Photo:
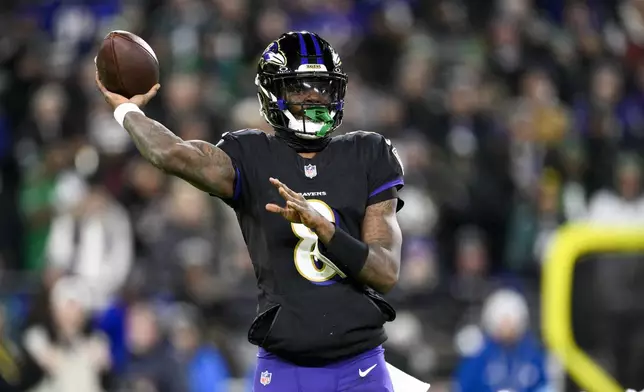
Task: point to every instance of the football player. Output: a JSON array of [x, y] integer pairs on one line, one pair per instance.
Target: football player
[[318, 214]]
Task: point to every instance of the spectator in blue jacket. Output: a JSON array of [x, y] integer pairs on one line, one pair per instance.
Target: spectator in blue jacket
[[206, 368], [152, 364], [505, 356]]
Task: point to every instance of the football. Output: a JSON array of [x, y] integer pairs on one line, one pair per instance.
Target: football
[[126, 64]]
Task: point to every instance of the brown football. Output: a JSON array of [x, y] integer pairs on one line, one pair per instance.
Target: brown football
[[126, 64]]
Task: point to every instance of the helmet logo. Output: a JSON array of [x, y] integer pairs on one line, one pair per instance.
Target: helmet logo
[[274, 58], [274, 55]]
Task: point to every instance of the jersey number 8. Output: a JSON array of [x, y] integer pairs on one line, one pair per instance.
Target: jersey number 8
[[303, 254]]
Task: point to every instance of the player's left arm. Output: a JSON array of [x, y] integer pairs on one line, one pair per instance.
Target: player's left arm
[[374, 261], [380, 229], [381, 233]]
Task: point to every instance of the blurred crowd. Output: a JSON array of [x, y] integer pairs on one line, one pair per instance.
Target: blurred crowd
[[512, 117]]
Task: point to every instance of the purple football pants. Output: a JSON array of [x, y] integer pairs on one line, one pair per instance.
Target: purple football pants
[[364, 373]]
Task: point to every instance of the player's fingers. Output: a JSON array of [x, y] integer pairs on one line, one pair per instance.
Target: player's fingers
[[107, 96], [143, 99], [274, 208], [296, 206], [100, 85], [278, 183], [295, 195], [153, 91], [271, 207], [291, 192], [285, 194], [289, 214]]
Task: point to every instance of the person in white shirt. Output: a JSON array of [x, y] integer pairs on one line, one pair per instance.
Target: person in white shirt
[[624, 205], [72, 359], [92, 238]]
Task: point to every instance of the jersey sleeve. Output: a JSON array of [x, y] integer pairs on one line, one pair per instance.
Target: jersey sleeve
[[385, 173], [232, 146]]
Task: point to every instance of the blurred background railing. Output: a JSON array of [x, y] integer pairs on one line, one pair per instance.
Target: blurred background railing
[[512, 117]]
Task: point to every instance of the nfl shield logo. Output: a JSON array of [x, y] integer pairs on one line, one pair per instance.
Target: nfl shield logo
[[265, 378], [310, 171]]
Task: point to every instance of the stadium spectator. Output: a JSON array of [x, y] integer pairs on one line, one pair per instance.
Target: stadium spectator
[[507, 356], [624, 204], [532, 223], [71, 355], [205, 367], [38, 203], [92, 239], [152, 365]]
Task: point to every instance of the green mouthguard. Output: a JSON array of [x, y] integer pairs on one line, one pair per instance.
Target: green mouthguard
[[320, 114]]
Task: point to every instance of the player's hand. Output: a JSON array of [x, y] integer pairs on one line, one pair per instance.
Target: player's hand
[[115, 99], [297, 209]]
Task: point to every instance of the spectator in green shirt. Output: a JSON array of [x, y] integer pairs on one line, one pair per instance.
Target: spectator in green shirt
[[37, 203]]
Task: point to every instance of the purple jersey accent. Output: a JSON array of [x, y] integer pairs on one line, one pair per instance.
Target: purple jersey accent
[[384, 187], [238, 184], [303, 51], [336, 215], [365, 373]]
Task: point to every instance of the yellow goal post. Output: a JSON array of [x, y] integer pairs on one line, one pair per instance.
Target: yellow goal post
[[569, 244]]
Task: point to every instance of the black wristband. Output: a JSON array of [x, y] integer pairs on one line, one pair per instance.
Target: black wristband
[[347, 253]]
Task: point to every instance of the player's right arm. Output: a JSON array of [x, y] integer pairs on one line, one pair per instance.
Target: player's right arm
[[202, 164]]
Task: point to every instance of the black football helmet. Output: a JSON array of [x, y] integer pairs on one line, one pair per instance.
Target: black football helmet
[[301, 85]]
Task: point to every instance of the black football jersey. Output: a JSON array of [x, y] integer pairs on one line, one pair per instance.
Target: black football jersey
[[307, 314]]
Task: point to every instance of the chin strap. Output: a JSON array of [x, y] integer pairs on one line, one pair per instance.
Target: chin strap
[[302, 145]]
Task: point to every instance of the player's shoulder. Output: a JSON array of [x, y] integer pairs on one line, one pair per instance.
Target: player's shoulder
[[369, 145], [244, 139], [362, 137], [360, 145], [245, 134]]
